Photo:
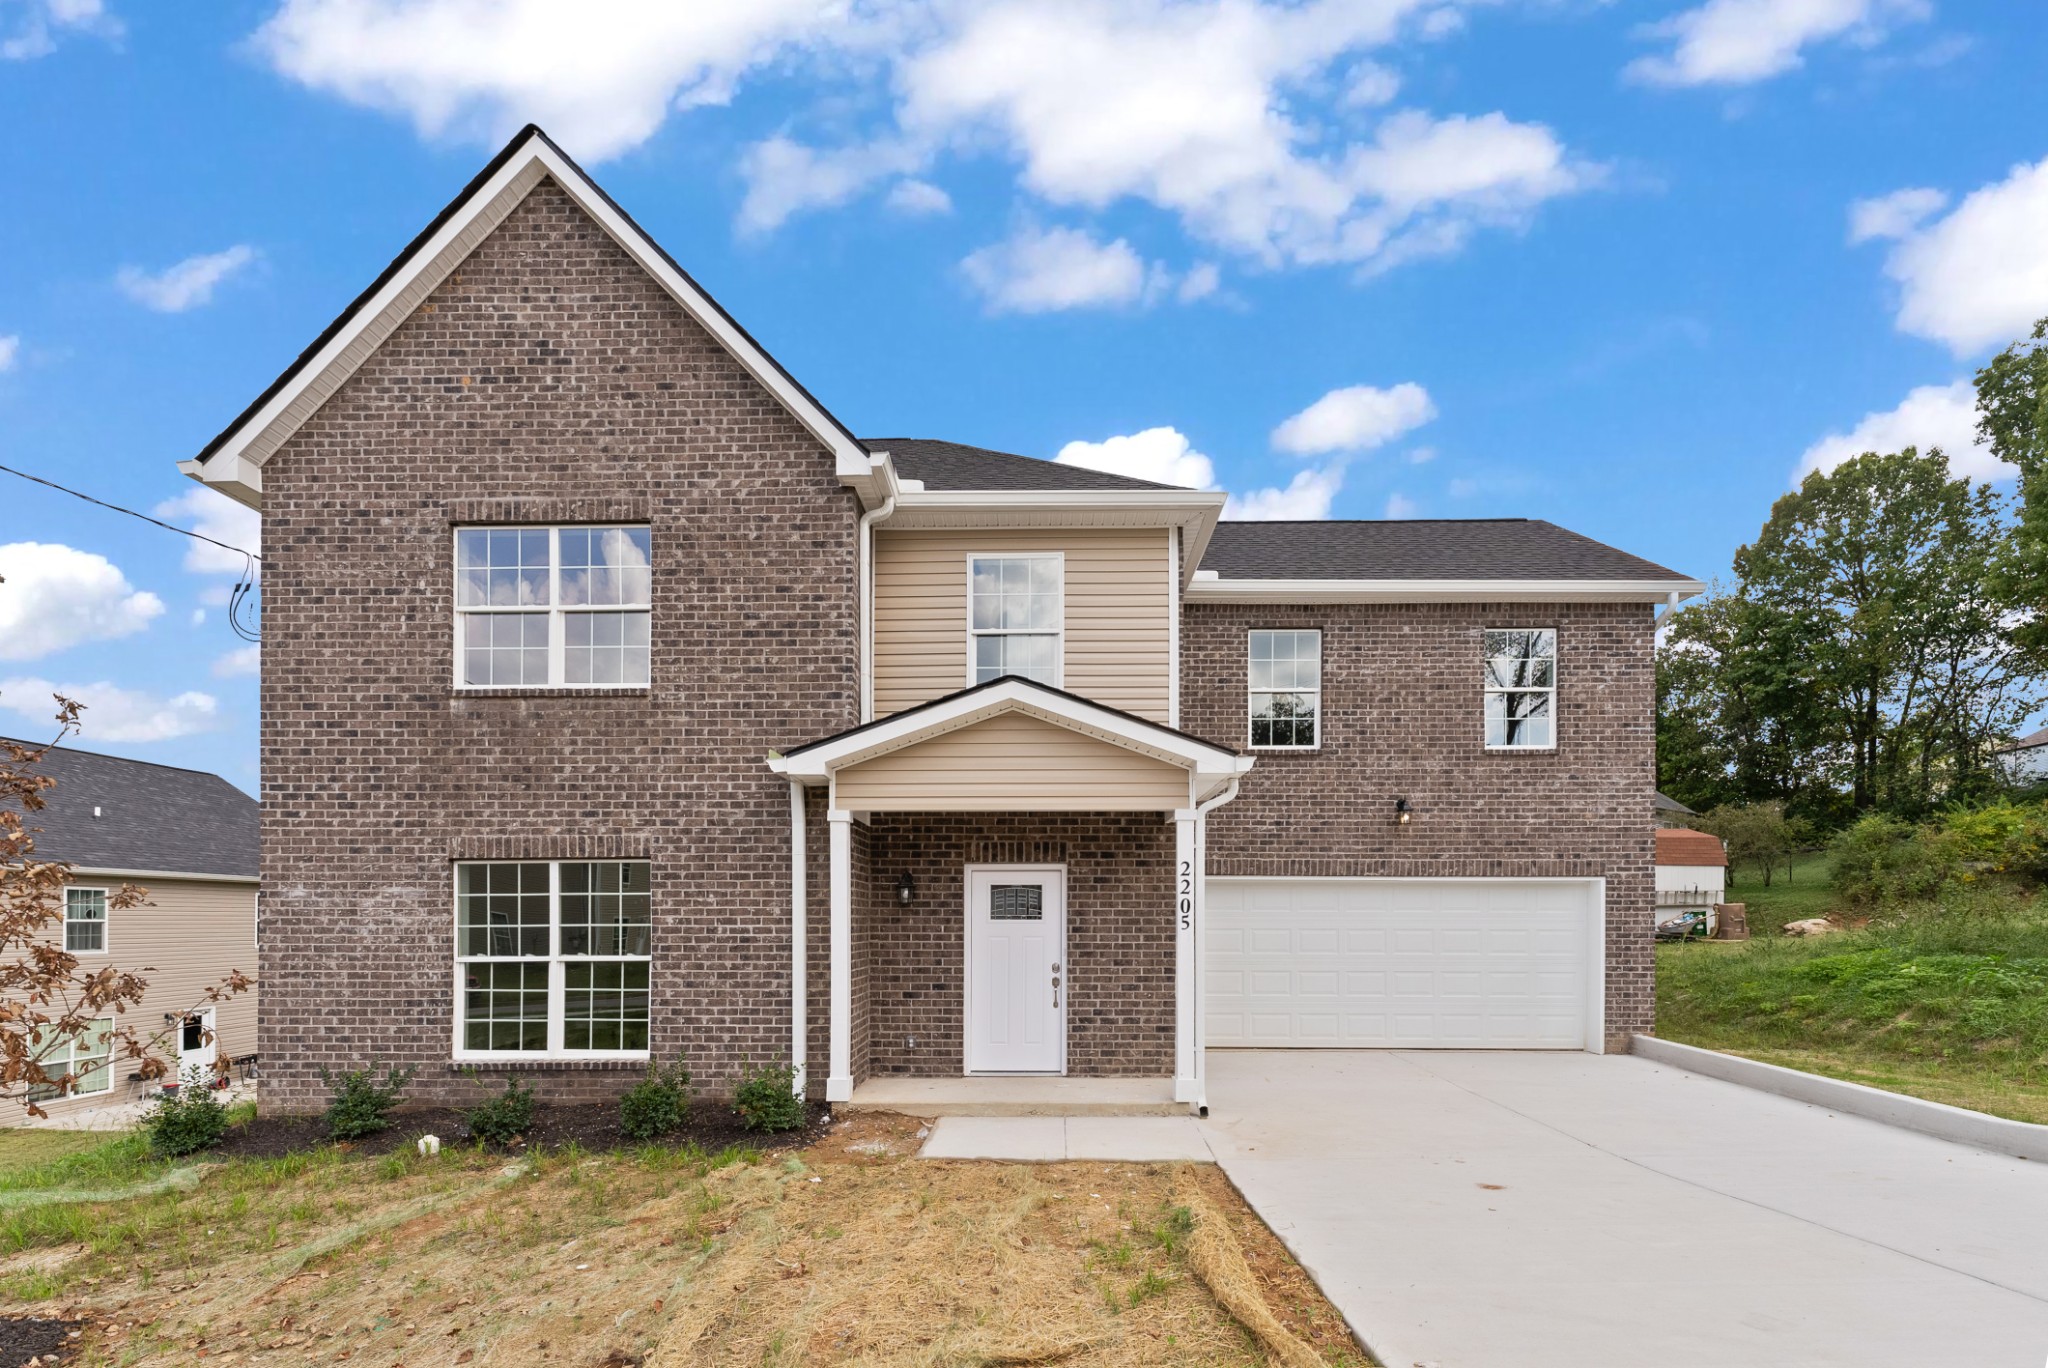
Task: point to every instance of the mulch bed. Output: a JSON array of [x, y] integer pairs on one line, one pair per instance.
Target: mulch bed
[[35, 1339], [594, 1126]]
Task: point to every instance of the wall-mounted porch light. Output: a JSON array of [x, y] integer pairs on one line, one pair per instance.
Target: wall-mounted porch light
[[906, 888], [1402, 812]]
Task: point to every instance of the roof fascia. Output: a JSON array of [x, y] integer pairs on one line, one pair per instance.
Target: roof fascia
[[1203, 590], [244, 448], [1195, 511], [92, 872]]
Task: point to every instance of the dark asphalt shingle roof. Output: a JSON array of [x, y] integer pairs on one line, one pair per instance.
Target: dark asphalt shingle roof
[[152, 817], [2027, 742], [952, 466], [1419, 548]]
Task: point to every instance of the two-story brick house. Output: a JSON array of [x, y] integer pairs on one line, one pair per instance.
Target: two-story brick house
[[617, 700]]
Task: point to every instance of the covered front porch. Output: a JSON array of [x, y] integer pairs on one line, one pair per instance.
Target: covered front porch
[[1014, 897]]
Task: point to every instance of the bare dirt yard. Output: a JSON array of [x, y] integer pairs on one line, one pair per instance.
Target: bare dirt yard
[[846, 1251]]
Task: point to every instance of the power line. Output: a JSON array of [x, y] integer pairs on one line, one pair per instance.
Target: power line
[[240, 607]]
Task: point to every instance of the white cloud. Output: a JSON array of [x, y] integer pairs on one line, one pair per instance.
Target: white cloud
[[1307, 497], [1737, 42], [1978, 277], [1894, 215], [1464, 487], [1040, 270], [917, 197], [1370, 84], [188, 284], [198, 618], [113, 713], [10, 351], [42, 21], [1422, 455], [1159, 454], [1399, 505], [1355, 418], [243, 660], [1942, 416], [785, 177], [53, 597], [212, 514], [1203, 280]]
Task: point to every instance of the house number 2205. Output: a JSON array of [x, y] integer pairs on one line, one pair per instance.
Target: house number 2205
[[1187, 894]]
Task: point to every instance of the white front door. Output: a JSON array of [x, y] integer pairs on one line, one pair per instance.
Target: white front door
[[197, 1047], [1016, 961]]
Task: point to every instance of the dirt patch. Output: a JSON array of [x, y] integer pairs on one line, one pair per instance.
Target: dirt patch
[[37, 1340], [593, 1126]]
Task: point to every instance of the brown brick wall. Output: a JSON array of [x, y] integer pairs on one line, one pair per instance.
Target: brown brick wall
[[547, 378], [1402, 718], [1119, 935]]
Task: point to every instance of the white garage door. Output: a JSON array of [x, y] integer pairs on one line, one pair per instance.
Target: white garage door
[[1344, 963]]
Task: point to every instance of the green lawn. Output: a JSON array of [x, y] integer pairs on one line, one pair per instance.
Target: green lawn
[[1951, 1007], [1803, 892], [22, 1150]]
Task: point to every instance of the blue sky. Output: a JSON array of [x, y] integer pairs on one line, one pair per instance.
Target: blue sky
[[1625, 266]]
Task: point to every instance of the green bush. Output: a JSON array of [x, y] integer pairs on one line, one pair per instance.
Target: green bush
[[186, 1121], [2005, 837], [502, 1119], [362, 1104], [658, 1104], [766, 1099], [1883, 861]]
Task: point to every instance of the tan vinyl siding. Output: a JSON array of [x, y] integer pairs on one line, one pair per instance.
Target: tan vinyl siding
[[184, 938], [1013, 762], [1118, 643]]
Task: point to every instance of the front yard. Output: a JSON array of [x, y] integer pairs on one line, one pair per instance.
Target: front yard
[[1947, 1005], [846, 1251]]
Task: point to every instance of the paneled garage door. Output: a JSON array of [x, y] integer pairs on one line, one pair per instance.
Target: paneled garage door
[[1344, 963]]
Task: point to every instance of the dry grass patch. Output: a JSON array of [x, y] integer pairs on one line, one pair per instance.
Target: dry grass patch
[[849, 1252]]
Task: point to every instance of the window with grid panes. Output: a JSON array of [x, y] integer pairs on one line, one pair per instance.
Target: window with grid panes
[[553, 957], [539, 607]]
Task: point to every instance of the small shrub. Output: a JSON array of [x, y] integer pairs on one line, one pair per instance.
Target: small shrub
[[658, 1104], [502, 1119], [186, 1121], [766, 1100], [362, 1105], [1882, 860], [2007, 838]]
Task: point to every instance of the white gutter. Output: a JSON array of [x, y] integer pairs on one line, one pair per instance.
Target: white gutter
[[1203, 589], [867, 605], [799, 939], [74, 871]]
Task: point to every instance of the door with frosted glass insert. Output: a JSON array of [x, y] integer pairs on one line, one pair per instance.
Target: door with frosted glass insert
[[1016, 970]]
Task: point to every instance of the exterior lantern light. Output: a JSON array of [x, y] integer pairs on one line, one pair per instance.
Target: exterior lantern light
[[906, 888], [1402, 812]]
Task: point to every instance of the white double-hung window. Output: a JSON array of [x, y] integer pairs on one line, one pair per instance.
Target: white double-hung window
[[84, 1056], [552, 958], [1014, 617], [1286, 688], [1521, 688], [542, 607], [85, 921]]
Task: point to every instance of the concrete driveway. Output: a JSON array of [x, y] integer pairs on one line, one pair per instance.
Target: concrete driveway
[[1496, 1210]]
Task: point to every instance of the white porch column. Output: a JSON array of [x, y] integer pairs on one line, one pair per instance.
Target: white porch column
[[799, 946], [1187, 963], [839, 1083]]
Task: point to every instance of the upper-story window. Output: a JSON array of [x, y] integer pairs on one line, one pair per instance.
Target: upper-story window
[[1521, 688], [85, 921], [540, 607], [1286, 688], [1014, 616]]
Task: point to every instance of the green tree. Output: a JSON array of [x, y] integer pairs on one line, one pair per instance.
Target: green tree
[[2012, 413], [1756, 834]]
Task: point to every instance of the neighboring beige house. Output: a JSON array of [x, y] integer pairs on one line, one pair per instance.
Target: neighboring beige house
[[2025, 761], [188, 839], [1692, 872]]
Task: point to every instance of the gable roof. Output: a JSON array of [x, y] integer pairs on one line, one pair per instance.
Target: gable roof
[[1420, 549], [1683, 846], [233, 460], [954, 466], [2027, 742], [1666, 803], [109, 813]]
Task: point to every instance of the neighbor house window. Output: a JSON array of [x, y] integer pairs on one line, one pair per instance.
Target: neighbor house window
[[540, 607], [84, 1056], [1521, 688], [85, 921], [553, 958], [1286, 688], [1013, 617]]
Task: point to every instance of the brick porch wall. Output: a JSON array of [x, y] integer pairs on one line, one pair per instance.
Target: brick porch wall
[[548, 379], [1402, 717], [1119, 936]]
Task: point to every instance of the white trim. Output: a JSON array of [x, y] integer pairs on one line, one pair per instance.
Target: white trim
[[1187, 873], [557, 613], [1487, 690], [106, 918], [1064, 967], [817, 765], [839, 1082], [1058, 634], [98, 873], [1173, 575], [799, 940], [235, 466], [1596, 972], [1205, 590], [1250, 691], [1192, 511], [864, 570]]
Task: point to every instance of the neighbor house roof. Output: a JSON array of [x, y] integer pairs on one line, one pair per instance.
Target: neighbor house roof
[[953, 466], [1419, 549], [106, 813], [2027, 742], [1680, 846], [1666, 803]]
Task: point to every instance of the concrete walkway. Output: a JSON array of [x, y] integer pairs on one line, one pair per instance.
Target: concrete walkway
[[1536, 1210], [1127, 1139]]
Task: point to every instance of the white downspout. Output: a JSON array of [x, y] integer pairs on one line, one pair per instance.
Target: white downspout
[[867, 605], [799, 939]]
